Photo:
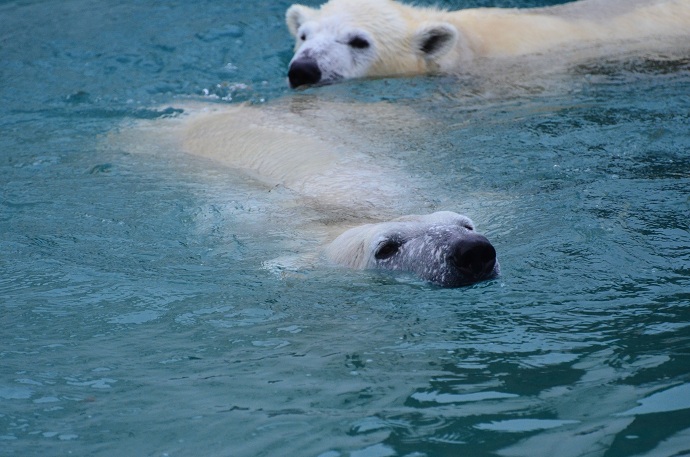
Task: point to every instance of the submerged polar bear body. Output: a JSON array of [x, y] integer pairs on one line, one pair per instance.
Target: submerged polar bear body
[[286, 146], [346, 39], [354, 195]]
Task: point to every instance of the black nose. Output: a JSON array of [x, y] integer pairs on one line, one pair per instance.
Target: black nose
[[474, 257], [304, 71]]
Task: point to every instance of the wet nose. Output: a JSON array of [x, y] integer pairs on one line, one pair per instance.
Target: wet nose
[[474, 257], [303, 71]]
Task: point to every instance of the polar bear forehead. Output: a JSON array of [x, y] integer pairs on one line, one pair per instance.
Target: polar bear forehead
[[381, 18], [335, 24], [371, 11], [438, 218], [442, 226]]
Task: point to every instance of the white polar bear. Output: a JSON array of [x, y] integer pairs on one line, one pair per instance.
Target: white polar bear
[[442, 248], [283, 147], [346, 39]]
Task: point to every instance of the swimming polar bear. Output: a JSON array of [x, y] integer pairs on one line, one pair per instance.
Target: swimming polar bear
[[346, 39], [283, 148], [442, 248]]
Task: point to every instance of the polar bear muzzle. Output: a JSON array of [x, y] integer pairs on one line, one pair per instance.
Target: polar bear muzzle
[[448, 258], [474, 257], [304, 71]]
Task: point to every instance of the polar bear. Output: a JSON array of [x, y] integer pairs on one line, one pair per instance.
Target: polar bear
[[442, 248], [346, 39], [345, 198]]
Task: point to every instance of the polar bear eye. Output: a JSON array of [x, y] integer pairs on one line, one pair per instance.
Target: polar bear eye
[[358, 43], [466, 224], [387, 249], [303, 36]]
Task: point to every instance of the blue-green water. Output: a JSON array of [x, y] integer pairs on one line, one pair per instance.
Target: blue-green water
[[137, 318]]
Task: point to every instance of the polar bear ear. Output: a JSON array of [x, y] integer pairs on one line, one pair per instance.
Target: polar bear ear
[[297, 15], [432, 41]]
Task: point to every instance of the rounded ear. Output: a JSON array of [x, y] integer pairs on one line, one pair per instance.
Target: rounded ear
[[432, 41], [297, 15]]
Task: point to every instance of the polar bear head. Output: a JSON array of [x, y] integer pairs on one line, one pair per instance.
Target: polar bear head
[[442, 248], [346, 39]]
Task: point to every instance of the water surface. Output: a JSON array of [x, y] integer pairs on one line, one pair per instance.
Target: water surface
[[137, 318]]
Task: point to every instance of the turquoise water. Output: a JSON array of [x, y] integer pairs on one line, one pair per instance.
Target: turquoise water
[[137, 318]]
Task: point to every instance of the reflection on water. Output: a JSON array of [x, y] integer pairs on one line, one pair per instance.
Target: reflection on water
[[137, 319]]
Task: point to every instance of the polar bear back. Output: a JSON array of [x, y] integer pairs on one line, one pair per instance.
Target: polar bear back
[[244, 138]]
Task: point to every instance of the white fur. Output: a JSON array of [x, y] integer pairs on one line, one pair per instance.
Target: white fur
[[400, 33], [318, 166], [355, 248], [281, 148]]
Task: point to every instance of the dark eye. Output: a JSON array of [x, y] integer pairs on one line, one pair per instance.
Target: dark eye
[[358, 43], [387, 249], [303, 36], [468, 226]]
